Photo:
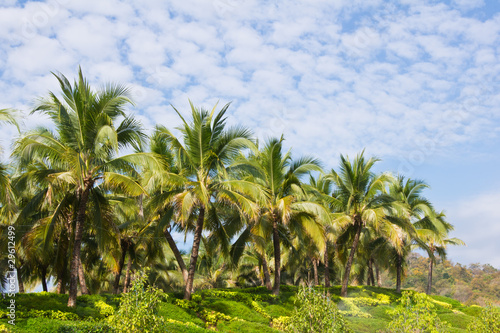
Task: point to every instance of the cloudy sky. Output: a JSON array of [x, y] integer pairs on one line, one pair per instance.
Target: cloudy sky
[[415, 83]]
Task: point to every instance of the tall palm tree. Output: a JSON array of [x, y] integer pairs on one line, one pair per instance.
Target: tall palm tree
[[206, 149], [360, 201], [6, 196], [412, 208], [320, 190], [280, 175], [83, 149]]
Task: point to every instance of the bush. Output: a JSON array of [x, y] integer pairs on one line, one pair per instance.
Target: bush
[[280, 323], [415, 313], [105, 310], [213, 317], [86, 327], [60, 315], [138, 309], [316, 313], [487, 322]]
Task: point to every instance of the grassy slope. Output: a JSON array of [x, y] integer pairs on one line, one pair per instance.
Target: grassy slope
[[247, 317]]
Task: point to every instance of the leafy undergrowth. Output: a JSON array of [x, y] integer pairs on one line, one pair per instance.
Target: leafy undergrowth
[[225, 310]]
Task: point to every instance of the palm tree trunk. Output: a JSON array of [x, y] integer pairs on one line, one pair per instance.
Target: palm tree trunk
[[75, 258], [60, 283], [354, 247], [194, 253], [277, 258], [315, 269], [327, 267], [116, 284], [20, 283], [44, 278], [126, 284], [379, 278], [429, 279], [371, 279], [62, 261], [267, 276], [81, 278], [177, 254], [398, 273]]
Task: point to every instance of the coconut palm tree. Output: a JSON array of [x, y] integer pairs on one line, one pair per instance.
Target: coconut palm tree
[[281, 208], [83, 149], [359, 199], [412, 208], [206, 149], [433, 233]]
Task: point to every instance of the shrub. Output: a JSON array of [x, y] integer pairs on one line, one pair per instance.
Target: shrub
[[51, 314], [280, 323], [86, 327], [213, 317], [415, 313], [181, 327], [105, 310], [488, 321], [316, 313], [352, 309], [138, 308]]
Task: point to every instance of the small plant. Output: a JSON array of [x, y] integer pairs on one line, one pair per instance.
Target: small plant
[[315, 313], [213, 317], [415, 314], [138, 308], [488, 321]]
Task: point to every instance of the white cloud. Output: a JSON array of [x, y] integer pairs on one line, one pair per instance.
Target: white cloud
[[332, 76]]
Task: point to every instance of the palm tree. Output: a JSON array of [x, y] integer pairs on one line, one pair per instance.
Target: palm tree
[[281, 208], [6, 194], [435, 237], [411, 208], [359, 199], [83, 150], [207, 148], [320, 190]]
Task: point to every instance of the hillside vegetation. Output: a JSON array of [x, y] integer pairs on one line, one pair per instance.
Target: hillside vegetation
[[473, 284], [225, 310]]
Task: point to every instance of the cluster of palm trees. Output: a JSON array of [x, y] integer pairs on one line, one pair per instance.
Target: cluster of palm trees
[[87, 217]]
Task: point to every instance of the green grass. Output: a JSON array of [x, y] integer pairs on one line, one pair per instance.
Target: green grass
[[235, 303]]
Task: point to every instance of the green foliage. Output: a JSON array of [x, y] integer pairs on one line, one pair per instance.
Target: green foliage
[[225, 314], [169, 310], [472, 284], [237, 310], [105, 310], [187, 304], [352, 309], [281, 323], [4, 329], [316, 313], [175, 326], [213, 317], [382, 298], [415, 313], [487, 322], [138, 308], [86, 327], [48, 314], [243, 327]]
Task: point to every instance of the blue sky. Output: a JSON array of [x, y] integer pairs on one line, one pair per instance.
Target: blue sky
[[414, 83]]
